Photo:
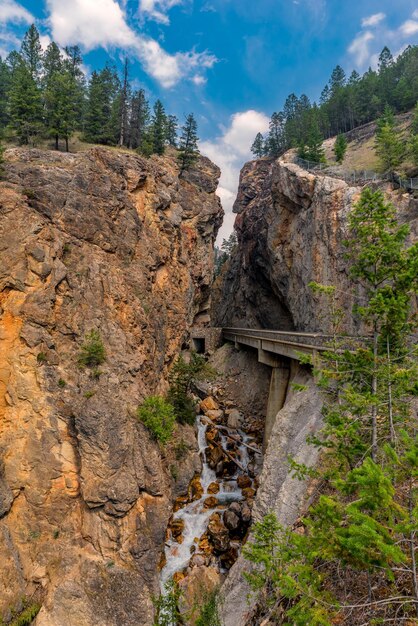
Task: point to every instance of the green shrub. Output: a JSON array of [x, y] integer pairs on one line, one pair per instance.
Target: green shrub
[[61, 382], [181, 378], [158, 416], [209, 615], [92, 352], [181, 449], [41, 357], [27, 616], [89, 394]]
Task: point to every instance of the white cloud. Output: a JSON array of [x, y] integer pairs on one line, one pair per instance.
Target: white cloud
[[230, 151], [359, 47], [199, 80], [410, 27], [367, 45], [373, 20], [11, 11], [102, 23], [157, 9]]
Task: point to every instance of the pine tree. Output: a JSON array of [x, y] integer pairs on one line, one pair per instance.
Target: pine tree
[[276, 138], [31, 52], [60, 98], [25, 104], [159, 128], [340, 148], [5, 79], [388, 146], [172, 126], [188, 144], [139, 119], [258, 146], [101, 124]]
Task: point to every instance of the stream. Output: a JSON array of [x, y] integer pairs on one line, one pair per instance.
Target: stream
[[195, 515]]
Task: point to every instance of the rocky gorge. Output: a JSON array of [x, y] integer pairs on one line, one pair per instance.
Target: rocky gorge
[[94, 514]]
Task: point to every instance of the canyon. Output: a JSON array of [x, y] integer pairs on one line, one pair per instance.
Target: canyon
[[106, 240]]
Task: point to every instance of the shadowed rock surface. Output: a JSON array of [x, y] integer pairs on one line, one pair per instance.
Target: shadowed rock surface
[[98, 240]]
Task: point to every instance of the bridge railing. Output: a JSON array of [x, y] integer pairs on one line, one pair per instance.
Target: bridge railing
[[314, 340]]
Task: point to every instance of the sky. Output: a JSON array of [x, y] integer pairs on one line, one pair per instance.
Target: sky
[[231, 62]]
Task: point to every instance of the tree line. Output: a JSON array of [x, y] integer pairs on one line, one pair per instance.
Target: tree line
[[345, 103], [46, 94]]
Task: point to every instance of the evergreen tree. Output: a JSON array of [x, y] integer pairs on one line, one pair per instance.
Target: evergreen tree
[[275, 143], [340, 148], [25, 104], [101, 124], [31, 52], [188, 144], [312, 149], [139, 119], [5, 79], [388, 146], [158, 128], [61, 93], [172, 126], [258, 146]]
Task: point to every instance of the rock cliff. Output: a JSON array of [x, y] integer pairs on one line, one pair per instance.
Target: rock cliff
[[102, 240], [290, 225]]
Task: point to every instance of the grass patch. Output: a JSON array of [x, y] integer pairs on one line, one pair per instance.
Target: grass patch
[[92, 351]]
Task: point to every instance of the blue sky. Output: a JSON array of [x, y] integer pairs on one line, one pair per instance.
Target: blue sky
[[231, 62]]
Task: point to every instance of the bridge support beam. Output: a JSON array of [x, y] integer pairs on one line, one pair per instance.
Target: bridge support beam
[[277, 394]]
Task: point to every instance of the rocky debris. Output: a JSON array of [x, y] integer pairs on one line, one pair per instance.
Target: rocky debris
[[235, 419], [110, 241], [243, 481], [209, 404], [211, 502], [248, 493], [213, 488], [218, 534], [215, 415], [176, 528], [195, 490]]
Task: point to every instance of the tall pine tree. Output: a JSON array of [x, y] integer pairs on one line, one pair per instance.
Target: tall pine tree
[[188, 144]]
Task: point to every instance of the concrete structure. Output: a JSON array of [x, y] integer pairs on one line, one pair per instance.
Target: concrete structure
[[281, 350]]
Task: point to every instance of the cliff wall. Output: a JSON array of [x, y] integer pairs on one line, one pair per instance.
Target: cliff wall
[[290, 225], [100, 240]]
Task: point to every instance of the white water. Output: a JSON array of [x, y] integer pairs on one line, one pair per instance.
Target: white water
[[195, 516]]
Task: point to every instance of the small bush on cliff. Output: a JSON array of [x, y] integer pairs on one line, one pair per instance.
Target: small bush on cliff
[[181, 379], [209, 615], [92, 351], [158, 416], [27, 616], [167, 611]]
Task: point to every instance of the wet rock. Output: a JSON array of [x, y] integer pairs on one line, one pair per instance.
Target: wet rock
[[211, 502], [215, 416], [229, 557], [177, 529], [245, 513], [213, 488], [248, 492], [234, 419], [231, 520], [195, 490], [198, 560], [212, 434], [213, 456], [244, 481], [208, 404], [180, 502], [218, 534], [178, 577]]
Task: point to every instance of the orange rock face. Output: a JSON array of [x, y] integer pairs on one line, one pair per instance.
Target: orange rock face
[[109, 241], [209, 404]]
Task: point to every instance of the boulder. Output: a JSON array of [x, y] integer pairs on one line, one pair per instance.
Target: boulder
[[208, 404], [248, 492], [213, 488], [231, 520], [195, 490], [234, 419], [244, 481], [211, 502], [218, 534]]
